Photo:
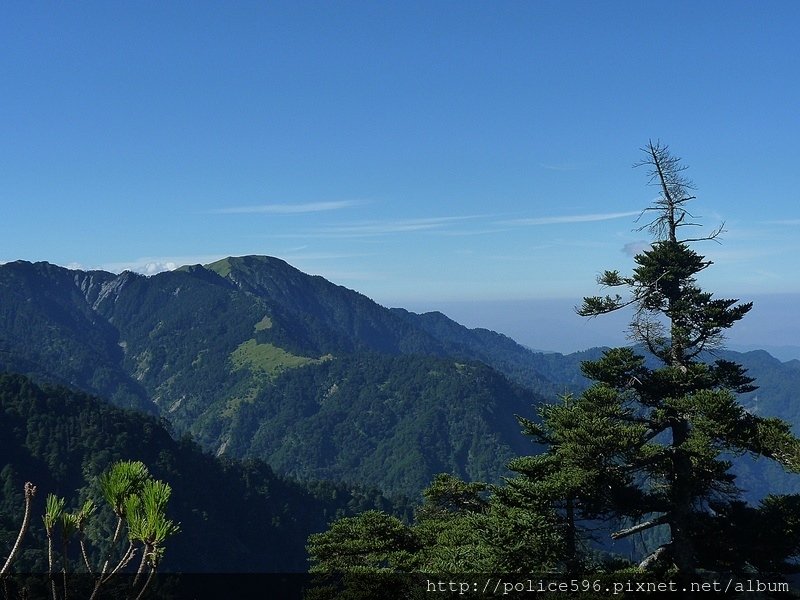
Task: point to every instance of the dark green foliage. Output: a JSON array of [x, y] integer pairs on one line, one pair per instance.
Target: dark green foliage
[[775, 395], [220, 349], [460, 528], [738, 537], [578, 476], [496, 350], [188, 344], [372, 542], [392, 422], [228, 511], [48, 329], [648, 444], [256, 359], [474, 528], [680, 419]]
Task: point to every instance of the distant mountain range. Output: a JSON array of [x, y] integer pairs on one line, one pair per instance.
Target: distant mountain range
[[256, 359], [782, 353]]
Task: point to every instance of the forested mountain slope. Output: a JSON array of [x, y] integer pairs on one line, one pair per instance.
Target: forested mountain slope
[[50, 328], [254, 358], [233, 516], [387, 421]]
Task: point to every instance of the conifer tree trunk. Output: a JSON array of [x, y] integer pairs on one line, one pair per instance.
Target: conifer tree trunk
[[681, 494], [681, 501], [571, 536]]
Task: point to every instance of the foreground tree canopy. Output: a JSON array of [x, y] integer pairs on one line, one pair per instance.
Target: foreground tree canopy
[[680, 419], [647, 449], [138, 503]]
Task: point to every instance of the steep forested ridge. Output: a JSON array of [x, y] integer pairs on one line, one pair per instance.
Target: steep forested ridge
[[254, 358], [387, 421], [234, 516], [49, 328], [246, 354]]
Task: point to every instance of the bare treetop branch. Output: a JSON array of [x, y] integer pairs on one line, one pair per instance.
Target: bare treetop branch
[[666, 172]]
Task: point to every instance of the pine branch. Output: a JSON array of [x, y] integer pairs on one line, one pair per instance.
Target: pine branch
[[708, 238], [85, 556], [29, 491], [660, 554], [146, 583], [663, 519]]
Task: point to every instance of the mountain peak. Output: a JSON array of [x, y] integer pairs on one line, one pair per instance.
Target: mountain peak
[[224, 267]]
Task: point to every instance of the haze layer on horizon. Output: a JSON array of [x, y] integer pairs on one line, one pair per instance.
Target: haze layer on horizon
[[552, 325]]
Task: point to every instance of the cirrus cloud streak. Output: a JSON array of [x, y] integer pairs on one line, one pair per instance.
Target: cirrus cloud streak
[[287, 209], [587, 218]]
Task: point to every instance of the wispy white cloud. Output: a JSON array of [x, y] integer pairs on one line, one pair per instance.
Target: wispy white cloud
[[152, 268], [586, 218], [473, 232], [288, 209], [151, 265], [376, 228]]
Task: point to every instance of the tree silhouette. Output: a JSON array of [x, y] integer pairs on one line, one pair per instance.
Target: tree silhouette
[[683, 413]]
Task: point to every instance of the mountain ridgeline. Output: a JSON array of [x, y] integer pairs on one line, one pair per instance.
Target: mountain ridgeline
[[255, 359]]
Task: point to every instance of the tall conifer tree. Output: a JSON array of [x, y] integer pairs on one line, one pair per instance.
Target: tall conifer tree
[[647, 444], [680, 415]]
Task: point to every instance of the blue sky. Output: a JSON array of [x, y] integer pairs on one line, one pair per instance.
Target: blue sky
[[424, 153]]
